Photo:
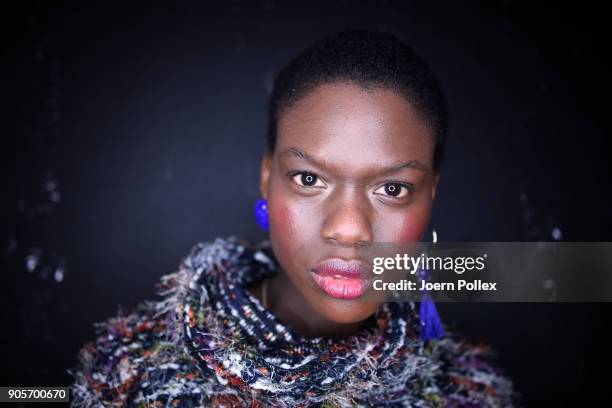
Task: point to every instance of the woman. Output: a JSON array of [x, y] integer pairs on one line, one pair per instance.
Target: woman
[[357, 126]]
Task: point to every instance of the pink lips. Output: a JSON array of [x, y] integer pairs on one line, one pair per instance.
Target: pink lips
[[342, 279]]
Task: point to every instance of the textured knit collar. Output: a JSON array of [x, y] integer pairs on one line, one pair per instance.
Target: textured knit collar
[[233, 336], [207, 342]]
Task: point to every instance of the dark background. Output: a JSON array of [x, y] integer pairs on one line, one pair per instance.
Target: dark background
[[132, 132]]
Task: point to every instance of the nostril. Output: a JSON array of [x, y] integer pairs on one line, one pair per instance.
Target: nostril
[[348, 235]]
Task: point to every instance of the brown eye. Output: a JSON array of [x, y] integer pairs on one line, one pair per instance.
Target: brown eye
[[306, 179], [309, 179], [395, 190]]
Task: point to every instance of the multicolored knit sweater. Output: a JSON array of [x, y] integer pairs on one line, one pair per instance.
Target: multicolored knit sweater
[[208, 342]]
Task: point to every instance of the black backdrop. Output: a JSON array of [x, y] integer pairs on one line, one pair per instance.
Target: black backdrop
[[130, 133]]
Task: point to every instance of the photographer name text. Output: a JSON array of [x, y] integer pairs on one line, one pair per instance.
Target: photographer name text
[[461, 284]]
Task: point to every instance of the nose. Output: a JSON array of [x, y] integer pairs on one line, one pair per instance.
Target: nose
[[348, 221]]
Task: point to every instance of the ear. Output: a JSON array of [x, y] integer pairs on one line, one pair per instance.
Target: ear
[[435, 185], [266, 162]]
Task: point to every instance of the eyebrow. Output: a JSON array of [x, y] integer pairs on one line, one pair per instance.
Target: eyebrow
[[300, 154]]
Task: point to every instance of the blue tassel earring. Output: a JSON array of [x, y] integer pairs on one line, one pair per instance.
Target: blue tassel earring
[[431, 325], [261, 214]]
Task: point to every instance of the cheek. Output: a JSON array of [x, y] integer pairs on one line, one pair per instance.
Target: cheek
[[282, 221], [412, 226], [290, 239], [288, 228], [284, 215], [291, 220], [288, 224]]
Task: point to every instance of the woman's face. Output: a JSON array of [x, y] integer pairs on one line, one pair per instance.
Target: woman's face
[[351, 167]]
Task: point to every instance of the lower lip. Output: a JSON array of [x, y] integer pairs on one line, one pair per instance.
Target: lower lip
[[341, 287]]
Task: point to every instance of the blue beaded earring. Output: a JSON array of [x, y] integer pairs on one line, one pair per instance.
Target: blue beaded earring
[[431, 325], [261, 214]]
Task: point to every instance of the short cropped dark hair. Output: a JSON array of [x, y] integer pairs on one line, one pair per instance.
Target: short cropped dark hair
[[370, 60]]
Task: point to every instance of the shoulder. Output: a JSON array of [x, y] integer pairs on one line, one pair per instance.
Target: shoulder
[[138, 356], [471, 375], [135, 357]]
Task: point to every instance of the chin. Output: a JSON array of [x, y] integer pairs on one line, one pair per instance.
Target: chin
[[345, 312]]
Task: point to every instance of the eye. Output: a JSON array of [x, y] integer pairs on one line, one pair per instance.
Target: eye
[[307, 179], [395, 190]]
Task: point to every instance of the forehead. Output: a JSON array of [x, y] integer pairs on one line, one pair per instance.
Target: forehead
[[352, 126]]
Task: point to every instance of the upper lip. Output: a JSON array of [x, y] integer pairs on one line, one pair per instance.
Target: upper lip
[[347, 268]]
